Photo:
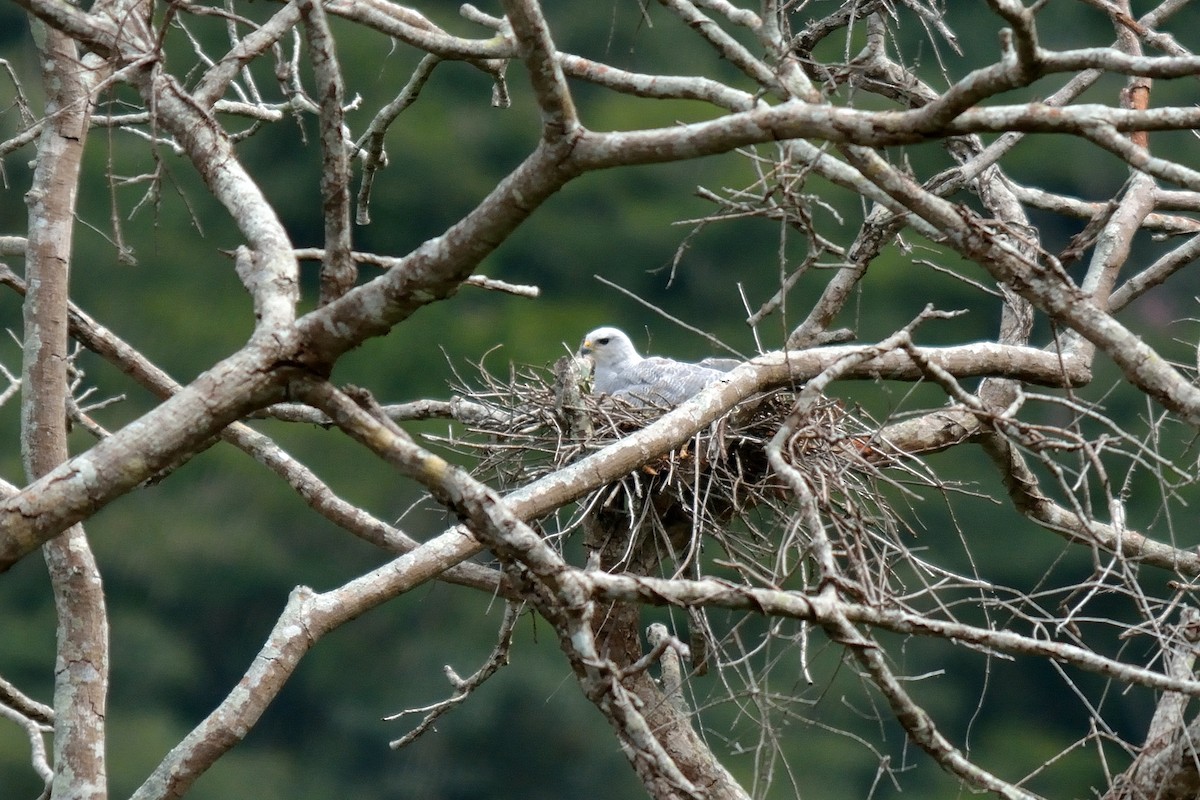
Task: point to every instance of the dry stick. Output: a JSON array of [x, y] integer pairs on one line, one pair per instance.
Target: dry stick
[[718, 593], [27, 135], [656, 309], [371, 142], [212, 86], [26, 706], [35, 732], [638, 84], [388, 262], [914, 719], [37, 719], [726, 46], [1155, 274], [260, 112], [1178, 200], [231, 30], [1081, 209], [463, 688], [338, 272], [458, 409], [412, 28]]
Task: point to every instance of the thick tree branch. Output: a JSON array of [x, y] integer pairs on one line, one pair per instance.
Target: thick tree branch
[[537, 51], [82, 656]]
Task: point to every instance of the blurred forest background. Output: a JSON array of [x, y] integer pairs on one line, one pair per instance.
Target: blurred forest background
[[198, 568]]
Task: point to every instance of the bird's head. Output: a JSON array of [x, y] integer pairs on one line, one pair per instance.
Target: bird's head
[[608, 347]]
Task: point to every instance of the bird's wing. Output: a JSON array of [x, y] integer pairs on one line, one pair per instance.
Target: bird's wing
[[720, 364], [657, 380]]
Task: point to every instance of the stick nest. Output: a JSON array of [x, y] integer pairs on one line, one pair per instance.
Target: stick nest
[[717, 487]]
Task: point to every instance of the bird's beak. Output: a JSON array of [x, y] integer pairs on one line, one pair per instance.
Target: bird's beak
[[585, 349]]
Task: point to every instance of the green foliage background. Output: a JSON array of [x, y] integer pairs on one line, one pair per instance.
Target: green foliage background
[[198, 567]]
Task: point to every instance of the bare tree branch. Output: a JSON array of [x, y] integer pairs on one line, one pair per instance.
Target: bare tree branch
[[82, 657]]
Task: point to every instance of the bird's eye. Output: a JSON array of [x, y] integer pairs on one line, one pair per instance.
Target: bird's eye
[[602, 341]]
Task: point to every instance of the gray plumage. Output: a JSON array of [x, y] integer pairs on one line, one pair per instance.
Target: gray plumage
[[618, 371], [719, 364]]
